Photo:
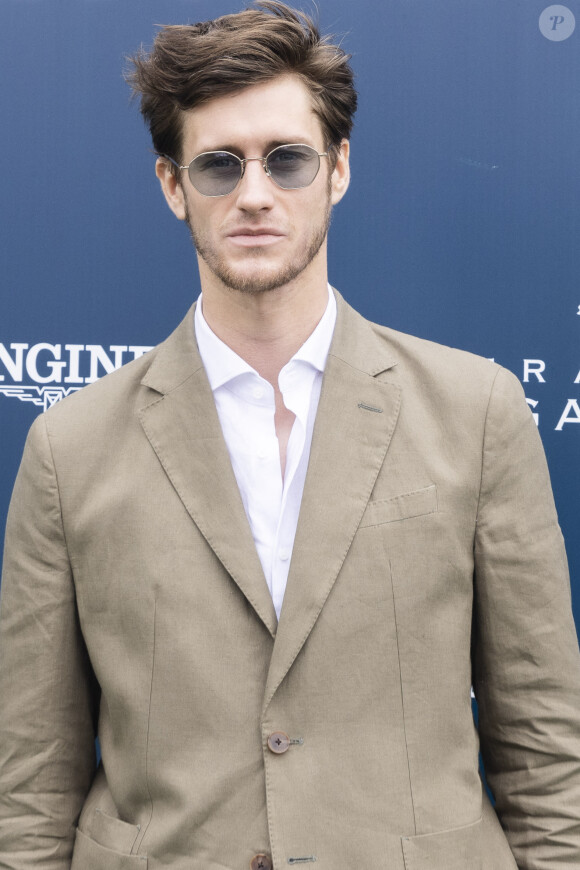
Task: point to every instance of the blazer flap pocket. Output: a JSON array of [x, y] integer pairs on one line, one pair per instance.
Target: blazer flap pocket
[[90, 855], [111, 832], [401, 507], [456, 849]]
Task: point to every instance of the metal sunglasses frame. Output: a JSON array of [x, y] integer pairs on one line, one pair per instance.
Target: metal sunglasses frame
[[243, 160]]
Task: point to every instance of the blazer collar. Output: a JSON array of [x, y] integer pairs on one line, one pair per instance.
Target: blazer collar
[[354, 342]]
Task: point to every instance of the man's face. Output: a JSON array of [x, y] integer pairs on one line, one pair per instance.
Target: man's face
[[259, 237]]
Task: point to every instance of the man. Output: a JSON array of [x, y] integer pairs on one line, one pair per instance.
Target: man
[[267, 561]]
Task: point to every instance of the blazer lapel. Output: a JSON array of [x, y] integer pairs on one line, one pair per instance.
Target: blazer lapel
[[183, 428], [356, 417]]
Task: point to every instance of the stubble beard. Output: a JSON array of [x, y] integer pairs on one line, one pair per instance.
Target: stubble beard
[[255, 284]]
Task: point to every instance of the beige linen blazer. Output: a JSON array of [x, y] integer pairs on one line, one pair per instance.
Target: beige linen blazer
[[427, 558]]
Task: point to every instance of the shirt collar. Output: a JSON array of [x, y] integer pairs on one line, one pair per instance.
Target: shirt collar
[[222, 364]]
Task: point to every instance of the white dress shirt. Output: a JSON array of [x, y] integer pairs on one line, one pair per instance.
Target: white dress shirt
[[245, 406]]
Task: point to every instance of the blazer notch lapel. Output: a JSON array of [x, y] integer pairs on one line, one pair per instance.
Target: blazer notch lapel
[[356, 419], [183, 429]]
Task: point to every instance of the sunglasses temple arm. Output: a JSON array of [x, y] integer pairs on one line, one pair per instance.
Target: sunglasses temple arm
[[171, 160]]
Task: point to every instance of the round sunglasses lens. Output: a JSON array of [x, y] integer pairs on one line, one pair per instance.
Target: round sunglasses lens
[[293, 166], [215, 173]]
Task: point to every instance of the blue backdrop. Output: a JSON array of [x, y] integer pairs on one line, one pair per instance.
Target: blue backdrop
[[461, 225]]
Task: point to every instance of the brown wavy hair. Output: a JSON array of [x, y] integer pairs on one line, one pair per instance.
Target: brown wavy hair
[[192, 64]]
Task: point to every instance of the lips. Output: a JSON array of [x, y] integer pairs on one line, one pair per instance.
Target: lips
[[255, 236]]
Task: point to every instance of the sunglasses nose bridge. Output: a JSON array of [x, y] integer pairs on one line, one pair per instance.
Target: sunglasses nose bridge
[[246, 160], [263, 160]]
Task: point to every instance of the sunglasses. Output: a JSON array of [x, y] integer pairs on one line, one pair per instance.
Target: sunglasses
[[217, 173]]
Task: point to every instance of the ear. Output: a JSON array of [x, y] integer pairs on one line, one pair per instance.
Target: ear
[[340, 178], [172, 189]]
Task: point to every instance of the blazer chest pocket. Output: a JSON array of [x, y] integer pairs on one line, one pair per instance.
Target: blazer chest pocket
[[456, 849], [401, 507], [106, 845]]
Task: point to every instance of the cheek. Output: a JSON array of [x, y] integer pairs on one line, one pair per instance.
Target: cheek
[[198, 215], [313, 207]]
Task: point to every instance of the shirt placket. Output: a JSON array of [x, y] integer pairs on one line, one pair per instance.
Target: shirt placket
[[295, 385]]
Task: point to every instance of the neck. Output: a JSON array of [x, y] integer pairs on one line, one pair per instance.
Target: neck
[[267, 328]]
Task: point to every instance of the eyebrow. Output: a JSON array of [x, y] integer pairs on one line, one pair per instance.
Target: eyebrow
[[273, 143]]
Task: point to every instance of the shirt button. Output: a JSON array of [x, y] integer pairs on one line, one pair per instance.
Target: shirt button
[[278, 742], [258, 392], [261, 862], [284, 555]]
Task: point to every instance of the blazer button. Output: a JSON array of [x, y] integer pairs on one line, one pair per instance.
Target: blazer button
[[261, 862], [278, 742]]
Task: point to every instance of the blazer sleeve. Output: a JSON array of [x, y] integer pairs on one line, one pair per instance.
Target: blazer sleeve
[[47, 689], [526, 659]]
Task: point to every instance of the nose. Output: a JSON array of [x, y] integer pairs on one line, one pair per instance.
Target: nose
[[256, 189]]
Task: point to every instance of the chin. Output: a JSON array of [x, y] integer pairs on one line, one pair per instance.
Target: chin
[[252, 285], [255, 281]]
